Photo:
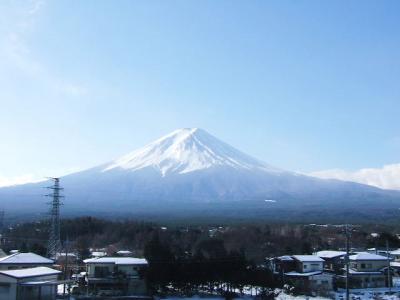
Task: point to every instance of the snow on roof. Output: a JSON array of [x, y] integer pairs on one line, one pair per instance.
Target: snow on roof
[[293, 273], [354, 272], [98, 253], [285, 258], [395, 252], [31, 272], [124, 252], [308, 258], [367, 256], [116, 260], [40, 283], [63, 254], [330, 253], [25, 258]]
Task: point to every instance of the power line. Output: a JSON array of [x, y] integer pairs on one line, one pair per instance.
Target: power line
[[54, 243]]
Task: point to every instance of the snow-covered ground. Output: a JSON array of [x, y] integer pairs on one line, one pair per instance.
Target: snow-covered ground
[[368, 295], [361, 295], [283, 296]]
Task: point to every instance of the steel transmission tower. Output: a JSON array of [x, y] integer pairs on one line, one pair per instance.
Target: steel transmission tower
[[54, 245]]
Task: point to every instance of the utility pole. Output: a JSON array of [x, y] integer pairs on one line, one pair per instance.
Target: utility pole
[[347, 261], [389, 279], [1, 221], [66, 274], [1, 226], [54, 243]]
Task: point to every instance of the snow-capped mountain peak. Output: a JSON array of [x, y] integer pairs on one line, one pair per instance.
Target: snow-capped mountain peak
[[191, 173], [187, 150]]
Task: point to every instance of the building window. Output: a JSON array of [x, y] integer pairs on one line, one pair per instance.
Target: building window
[[362, 266], [101, 272]]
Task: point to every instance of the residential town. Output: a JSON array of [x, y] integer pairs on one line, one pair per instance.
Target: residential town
[[31, 276]]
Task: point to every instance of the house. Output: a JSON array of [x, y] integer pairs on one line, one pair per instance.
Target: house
[[366, 270], [308, 263], [124, 253], [119, 275], [62, 258], [280, 265], [333, 260], [377, 251], [98, 253], [395, 268], [395, 254], [39, 283], [307, 274], [24, 260]]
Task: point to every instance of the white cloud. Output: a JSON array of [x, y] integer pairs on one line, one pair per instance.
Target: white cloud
[[387, 177], [17, 180], [32, 178]]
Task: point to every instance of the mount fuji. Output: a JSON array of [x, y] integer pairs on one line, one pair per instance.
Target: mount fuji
[[187, 150], [190, 172]]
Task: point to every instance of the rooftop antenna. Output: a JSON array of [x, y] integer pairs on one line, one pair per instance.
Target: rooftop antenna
[[54, 243]]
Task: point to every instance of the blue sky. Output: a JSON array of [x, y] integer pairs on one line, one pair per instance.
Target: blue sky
[[303, 85]]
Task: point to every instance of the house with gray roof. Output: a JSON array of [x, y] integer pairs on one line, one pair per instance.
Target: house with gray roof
[[305, 272], [24, 260], [366, 270], [122, 275], [333, 260], [38, 283]]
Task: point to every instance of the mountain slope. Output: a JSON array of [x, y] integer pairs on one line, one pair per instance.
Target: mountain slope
[[187, 150], [190, 171]]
